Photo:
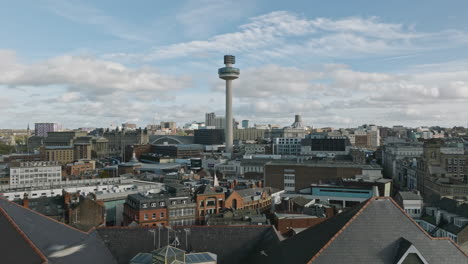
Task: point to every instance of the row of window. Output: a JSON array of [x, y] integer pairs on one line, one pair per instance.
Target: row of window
[[153, 216], [182, 212], [161, 203]]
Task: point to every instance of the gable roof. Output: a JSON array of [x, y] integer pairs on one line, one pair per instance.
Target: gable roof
[[368, 233], [58, 242]]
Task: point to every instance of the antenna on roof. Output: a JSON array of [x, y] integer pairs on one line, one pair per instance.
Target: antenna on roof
[[187, 231]]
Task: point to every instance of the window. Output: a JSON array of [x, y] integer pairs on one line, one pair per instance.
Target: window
[[162, 203], [154, 216], [153, 204], [162, 215], [184, 201], [174, 202], [144, 205], [146, 216]]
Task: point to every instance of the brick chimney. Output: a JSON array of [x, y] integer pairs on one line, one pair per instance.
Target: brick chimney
[[26, 200]]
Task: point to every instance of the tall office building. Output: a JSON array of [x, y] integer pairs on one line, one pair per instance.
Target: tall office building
[[42, 129], [245, 123], [229, 73], [209, 119]]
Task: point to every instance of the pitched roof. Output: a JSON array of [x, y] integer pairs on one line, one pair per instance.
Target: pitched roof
[[16, 247], [125, 243], [368, 233], [60, 243]]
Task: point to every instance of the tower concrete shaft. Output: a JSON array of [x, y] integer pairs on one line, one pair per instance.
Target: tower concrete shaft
[[228, 74], [228, 128]]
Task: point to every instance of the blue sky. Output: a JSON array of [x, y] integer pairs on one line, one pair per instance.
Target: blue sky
[[338, 63]]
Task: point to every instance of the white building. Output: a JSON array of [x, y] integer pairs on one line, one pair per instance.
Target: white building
[[411, 202], [287, 146], [35, 172]]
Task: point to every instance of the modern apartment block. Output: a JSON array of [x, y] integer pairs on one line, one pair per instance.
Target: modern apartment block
[[42, 129], [287, 146], [35, 172]]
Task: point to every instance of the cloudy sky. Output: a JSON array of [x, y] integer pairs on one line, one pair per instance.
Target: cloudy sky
[[338, 63]]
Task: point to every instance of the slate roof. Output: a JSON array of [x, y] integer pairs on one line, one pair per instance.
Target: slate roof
[[368, 233], [58, 242], [125, 243], [14, 246]]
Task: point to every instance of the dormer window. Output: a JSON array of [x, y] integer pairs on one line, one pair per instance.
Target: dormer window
[[162, 203], [153, 204], [144, 205]]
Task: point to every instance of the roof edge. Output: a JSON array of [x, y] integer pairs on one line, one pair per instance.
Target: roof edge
[[362, 209], [24, 236], [49, 218], [342, 229], [424, 231]]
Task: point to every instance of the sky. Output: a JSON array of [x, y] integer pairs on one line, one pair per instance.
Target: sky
[[337, 63]]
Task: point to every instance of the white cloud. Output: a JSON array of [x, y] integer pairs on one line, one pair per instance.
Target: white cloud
[[89, 76], [274, 81], [281, 34]]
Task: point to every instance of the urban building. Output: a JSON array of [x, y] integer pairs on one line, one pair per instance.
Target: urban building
[[209, 200], [120, 245], [146, 209], [287, 146], [444, 224], [80, 168], [411, 202], [247, 134], [119, 139], [245, 123], [287, 223], [168, 125], [35, 172], [137, 149], [64, 138], [237, 217], [443, 171], [42, 129], [61, 154], [293, 176], [209, 136], [250, 198], [178, 151], [129, 126], [319, 144], [397, 151], [377, 231]]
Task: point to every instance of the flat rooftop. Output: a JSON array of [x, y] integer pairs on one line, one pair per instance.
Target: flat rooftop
[[328, 164]]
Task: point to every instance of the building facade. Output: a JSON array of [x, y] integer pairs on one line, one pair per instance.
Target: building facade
[[35, 172], [42, 129]]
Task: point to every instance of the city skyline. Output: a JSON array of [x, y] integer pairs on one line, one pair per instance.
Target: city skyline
[[85, 64]]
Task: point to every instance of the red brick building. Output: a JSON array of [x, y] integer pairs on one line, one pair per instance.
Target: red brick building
[[80, 168], [284, 223], [146, 210], [251, 198], [210, 200]]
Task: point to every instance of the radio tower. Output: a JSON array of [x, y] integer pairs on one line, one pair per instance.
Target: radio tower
[[228, 74]]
